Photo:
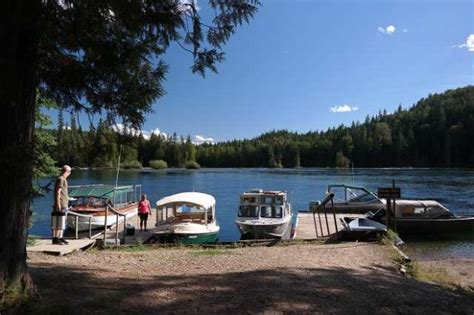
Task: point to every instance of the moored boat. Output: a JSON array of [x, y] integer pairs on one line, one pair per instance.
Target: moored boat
[[426, 217], [92, 200], [264, 214], [188, 218], [353, 199]]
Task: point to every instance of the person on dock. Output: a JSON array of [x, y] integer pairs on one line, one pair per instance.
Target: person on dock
[[61, 203], [144, 210]]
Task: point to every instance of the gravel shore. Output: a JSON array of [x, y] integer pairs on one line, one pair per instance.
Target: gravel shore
[[338, 278]]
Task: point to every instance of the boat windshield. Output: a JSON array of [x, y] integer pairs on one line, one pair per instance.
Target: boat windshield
[[184, 208], [271, 211], [412, 211], [248, 211], [87, 201], [351, 194], [366, 197]]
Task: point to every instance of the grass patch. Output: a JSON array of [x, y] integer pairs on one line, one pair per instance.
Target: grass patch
[[413, 269], [32, 240], [12, 297], [389, 238], [437, 275]]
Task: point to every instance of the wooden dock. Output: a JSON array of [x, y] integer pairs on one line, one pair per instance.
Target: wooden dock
[[314, 227], [83, 242], [46, 246]]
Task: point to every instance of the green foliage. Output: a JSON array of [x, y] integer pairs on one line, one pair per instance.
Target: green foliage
[[32, 240], [192, 165], [437, 131], [341, 160], [158, 164], [131, 165], [107, 56], [44, 144]]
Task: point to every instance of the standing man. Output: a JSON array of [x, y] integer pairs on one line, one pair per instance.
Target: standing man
[[61, 203]]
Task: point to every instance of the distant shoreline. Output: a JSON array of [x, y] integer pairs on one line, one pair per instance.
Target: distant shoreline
[[274, 168]]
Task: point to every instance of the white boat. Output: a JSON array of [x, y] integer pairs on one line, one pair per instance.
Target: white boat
[[264, 214], [89, 202], [188, 218]]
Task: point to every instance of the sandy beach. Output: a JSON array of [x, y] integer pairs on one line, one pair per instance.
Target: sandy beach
[[338, 278]]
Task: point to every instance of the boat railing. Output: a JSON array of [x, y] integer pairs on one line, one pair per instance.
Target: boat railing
[[322, 208], [76, 225], [118, 214]]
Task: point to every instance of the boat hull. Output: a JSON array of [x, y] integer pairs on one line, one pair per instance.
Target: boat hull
[[435, 226], [188, 239], [97, 221], [188, 233], [249, 230]]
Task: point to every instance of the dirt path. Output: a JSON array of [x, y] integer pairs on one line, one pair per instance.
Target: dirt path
[[343, 278]]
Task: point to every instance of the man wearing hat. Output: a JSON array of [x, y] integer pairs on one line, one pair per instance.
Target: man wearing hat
[[61, 203]]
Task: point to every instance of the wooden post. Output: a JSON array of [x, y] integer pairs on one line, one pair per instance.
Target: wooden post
[[124, 228], [320, 224], [315, 225], [105, 223], [326, 218], [77, 226], [335, 219], [90, 227], [389, 211], [394, 210], [116, 228]]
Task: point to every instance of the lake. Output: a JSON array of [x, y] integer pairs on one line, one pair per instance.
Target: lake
[[452, 187]]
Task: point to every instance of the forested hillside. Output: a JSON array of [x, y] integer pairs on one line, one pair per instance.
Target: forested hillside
[[436, 131]]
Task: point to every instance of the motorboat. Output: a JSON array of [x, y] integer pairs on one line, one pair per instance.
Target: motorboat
[[361, 229], [89, 203], [264, 214], [188, 218], [424, 217], [352, 199]]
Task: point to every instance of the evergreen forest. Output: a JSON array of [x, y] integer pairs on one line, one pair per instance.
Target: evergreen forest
[[437, 131]]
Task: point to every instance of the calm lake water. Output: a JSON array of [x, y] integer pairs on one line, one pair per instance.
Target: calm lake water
[[452, 187]]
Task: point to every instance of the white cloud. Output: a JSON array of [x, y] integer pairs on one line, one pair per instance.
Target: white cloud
[[469, 43], [389, 30], [120, 128], [199, 139], [185, 5], [405, 30], [343, 108]]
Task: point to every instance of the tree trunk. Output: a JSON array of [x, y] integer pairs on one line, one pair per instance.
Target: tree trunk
[[18, 63]]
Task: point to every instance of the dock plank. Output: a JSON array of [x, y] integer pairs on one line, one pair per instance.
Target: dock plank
[[306, 229], [46, 246]]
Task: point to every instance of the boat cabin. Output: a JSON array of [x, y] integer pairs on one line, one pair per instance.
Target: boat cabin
[[421, 209], [263, 204], [187, 207], [97, 196]]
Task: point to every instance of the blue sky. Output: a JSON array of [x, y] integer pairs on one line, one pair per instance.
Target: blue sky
[[299, 58]]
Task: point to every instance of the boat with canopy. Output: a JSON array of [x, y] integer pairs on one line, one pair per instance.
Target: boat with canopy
[[90, 202], [188, 218]]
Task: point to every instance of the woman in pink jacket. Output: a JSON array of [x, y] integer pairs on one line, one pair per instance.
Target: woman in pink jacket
[[144, 210]]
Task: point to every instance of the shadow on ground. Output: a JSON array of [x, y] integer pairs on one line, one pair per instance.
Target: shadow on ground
[[336, 290]]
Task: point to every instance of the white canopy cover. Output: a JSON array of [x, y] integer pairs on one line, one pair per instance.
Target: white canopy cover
[[197, 198]]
